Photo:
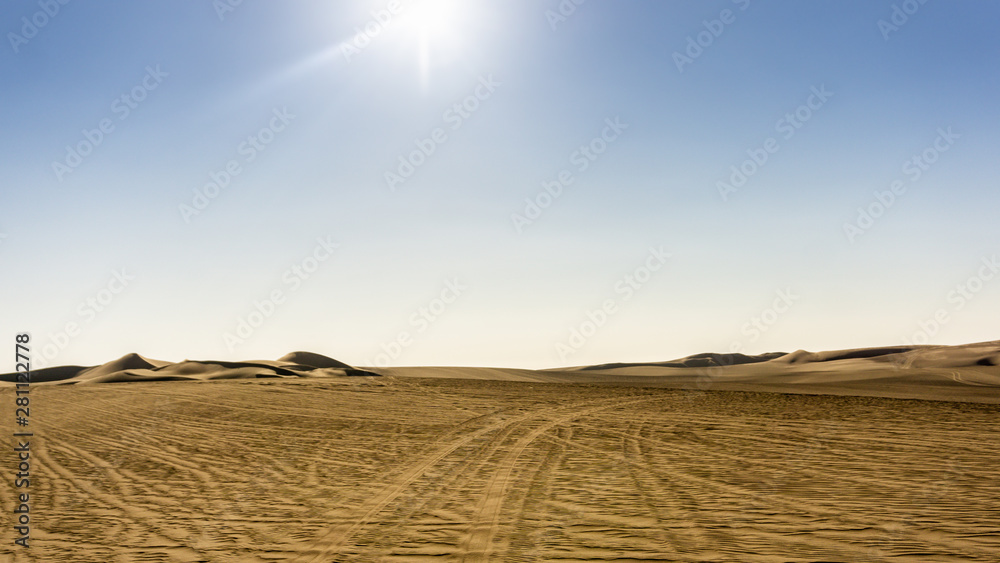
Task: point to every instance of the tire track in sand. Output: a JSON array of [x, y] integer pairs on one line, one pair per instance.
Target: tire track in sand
[[138, 516], [339, 534], [486, 522]]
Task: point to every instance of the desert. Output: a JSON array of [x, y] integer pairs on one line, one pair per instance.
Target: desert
[[882, 454], [504, 281]]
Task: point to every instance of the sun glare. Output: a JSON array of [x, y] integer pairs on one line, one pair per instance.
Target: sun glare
[[436, 19], [437, 30]]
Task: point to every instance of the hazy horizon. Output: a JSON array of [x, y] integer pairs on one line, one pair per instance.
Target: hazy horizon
[[448, 183]]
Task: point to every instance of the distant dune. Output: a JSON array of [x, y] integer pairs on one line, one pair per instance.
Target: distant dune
[[133, 367], [969, 372]]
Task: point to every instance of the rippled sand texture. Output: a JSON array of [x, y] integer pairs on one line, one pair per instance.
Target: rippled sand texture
[[408, 469]]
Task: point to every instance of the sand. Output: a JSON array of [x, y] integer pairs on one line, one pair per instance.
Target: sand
[[861, 455]]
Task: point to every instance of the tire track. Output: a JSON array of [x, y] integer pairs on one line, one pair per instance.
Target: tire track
[[652, 501], [767, 502], [541, 479], [806, 508], [486, 522], [137, 516], [338, 535], [423, 499]]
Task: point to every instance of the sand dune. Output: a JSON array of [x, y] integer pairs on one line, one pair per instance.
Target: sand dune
[[968, 372], [133, 367], [312, 360]]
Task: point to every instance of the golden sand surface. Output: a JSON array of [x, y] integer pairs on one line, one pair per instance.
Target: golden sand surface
[[391, 468]]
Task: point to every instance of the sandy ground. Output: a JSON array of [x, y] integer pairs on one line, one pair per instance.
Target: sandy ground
[[397, 468]]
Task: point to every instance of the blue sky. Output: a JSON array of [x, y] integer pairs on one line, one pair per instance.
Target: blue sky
[[314, 244]]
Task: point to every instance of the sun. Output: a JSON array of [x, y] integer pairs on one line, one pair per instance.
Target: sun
[[437, 19], [437, 29]]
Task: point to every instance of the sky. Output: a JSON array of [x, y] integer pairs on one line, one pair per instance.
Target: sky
[[496, 183]]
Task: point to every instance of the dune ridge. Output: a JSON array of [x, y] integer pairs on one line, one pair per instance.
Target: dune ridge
[[966, 372], [134, 367]]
